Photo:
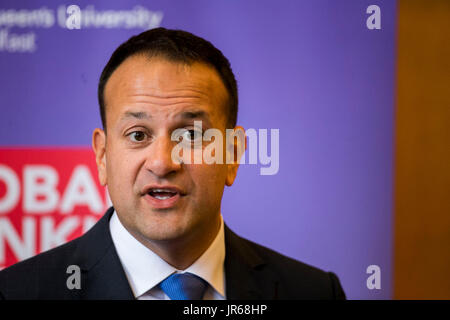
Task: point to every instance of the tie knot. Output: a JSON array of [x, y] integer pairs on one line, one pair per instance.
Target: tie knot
[[183, 286]]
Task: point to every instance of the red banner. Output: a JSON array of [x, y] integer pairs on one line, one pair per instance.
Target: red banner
[[48, 196]]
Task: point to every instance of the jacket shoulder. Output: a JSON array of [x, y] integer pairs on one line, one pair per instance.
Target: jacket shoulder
[[296, 279], [32, 277]]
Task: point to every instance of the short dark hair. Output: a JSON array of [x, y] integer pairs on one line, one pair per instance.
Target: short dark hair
[[177, 46]]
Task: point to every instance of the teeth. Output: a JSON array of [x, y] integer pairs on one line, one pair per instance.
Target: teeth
[[161, 197], [162, 190]]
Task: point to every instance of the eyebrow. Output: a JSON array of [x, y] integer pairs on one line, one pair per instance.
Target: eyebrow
[[137, 115], [193, 115], [202, 115], [185, 115]]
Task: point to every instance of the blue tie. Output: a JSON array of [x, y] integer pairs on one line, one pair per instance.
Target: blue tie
[[184, 286]]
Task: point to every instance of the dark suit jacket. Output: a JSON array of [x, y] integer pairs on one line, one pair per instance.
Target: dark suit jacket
[[252, 272]]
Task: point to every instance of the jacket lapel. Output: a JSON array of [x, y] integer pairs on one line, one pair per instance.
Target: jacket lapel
[[102, 274], [247, 277]]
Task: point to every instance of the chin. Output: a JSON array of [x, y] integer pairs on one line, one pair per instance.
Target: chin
[[163, 232]]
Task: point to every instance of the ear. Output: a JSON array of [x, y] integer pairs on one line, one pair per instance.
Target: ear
[[236, 147], [99, 147]]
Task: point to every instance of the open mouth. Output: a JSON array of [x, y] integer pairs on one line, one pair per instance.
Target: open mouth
[[163, 197]]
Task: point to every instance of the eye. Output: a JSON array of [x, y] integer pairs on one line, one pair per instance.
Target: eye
[[137, 136], [192, 135]]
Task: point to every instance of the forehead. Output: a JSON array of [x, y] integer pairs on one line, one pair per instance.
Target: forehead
[[161, 86]]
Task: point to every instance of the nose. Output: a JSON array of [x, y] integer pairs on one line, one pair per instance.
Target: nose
[[159, 158]]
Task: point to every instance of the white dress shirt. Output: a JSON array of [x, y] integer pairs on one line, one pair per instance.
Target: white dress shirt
[[145, 269]]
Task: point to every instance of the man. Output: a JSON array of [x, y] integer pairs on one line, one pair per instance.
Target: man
[[164, 237]]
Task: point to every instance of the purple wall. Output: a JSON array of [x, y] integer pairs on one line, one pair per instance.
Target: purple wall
[[309, 68]]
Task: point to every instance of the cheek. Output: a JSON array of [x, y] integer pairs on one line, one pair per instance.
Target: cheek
[[121, 171], [209, 181]]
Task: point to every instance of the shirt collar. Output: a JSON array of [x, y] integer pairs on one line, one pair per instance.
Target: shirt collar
[[145, 269]]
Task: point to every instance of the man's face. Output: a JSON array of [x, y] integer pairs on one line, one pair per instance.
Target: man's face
[[146, 100]]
